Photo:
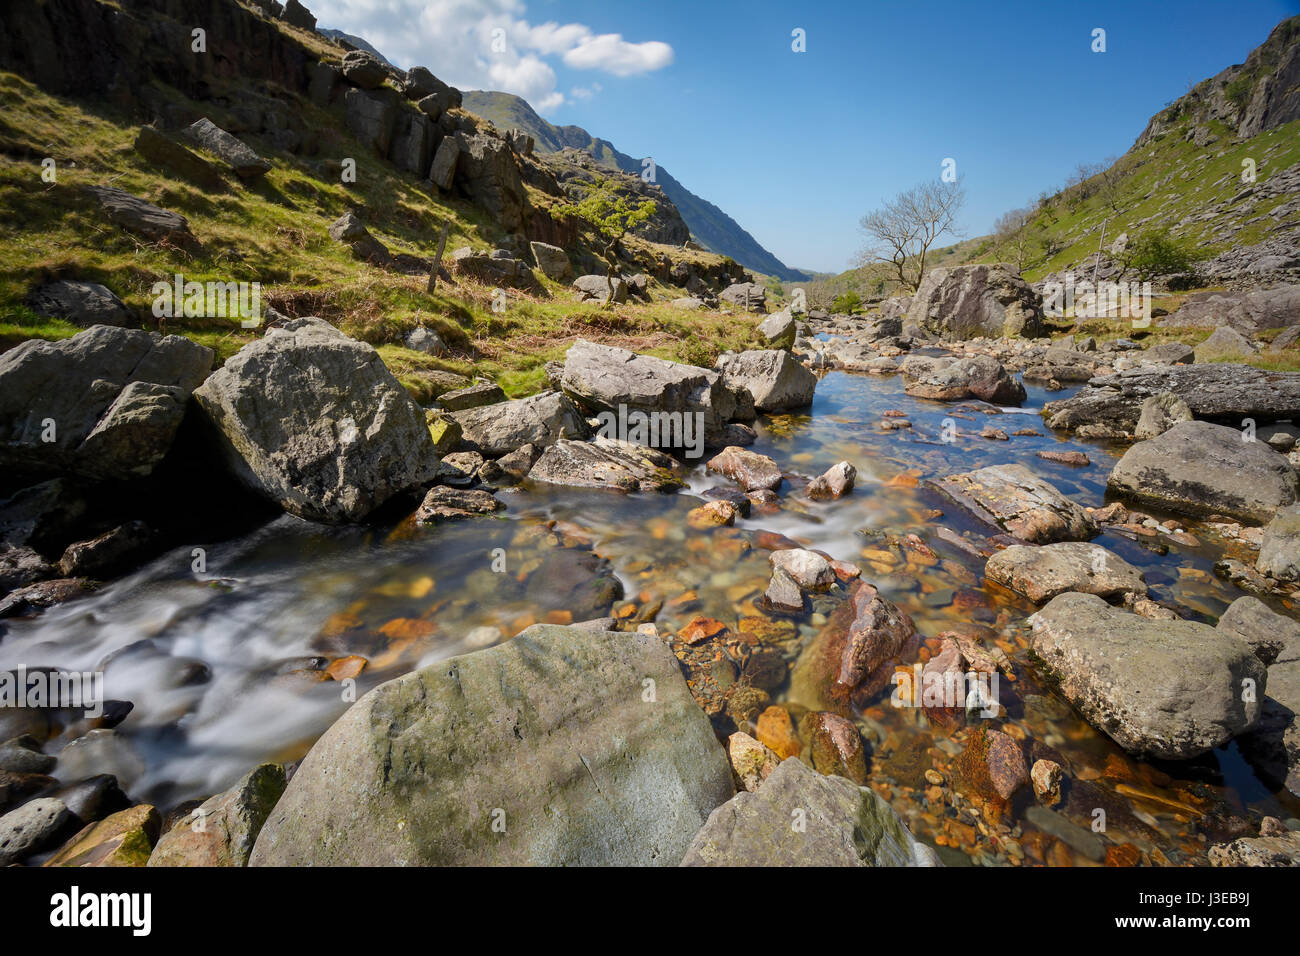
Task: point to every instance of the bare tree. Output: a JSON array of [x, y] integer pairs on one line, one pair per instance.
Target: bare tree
[[1014, 237], [902, 231]]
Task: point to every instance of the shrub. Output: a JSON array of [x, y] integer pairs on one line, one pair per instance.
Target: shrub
[[1157, 254], [846, 302]]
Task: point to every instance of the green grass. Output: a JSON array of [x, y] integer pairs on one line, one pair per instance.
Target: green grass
[[275, 232]]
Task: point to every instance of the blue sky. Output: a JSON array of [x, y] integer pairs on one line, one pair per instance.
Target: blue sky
[[797, 146]]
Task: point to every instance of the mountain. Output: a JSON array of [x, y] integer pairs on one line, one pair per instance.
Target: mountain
[[711, 227], [355, 42], [1216, 172]]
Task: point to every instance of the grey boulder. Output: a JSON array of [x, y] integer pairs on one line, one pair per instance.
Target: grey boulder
[[230, 149], [1041, 573], [81, 303], [563, 746], [777, 380], [540, 420], [314, 421], [964, 302]]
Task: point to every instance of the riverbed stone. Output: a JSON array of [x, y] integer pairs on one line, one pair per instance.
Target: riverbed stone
[[808, 568], [221, 831], [125, 838], [947, 379], [31, 828], [1166, 689], [1159, 414], [748, 469], [606, 463], [314, 421], [835, 482], [1042, 572], [553, 736], [1200, 468], [1012, 498], [846, 825]]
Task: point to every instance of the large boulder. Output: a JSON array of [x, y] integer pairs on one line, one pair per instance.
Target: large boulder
[[412, 145], [1225, 343], [365, 70], [1218, 391], [744, 294], [948, 379], [315, 422], [844, 825], [221, 830], [1012, 498], [1200, 468], [488, 173], [1166, 689], [109, 400], [81, 303], [563, 746], [442, 172], [965, 302], [552, 260], [1042, 572], [144, 218], [779, 330], [539, 420], [162, 150], [603, 378], [371, 116], [775, 378], [1248, 312], [1279, 553], [229, 149], [1161, 413], [596, 288]]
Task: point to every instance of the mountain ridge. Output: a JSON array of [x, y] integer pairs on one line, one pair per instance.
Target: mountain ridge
[[711, 227]]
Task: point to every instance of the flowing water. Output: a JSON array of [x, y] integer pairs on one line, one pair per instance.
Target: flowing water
[[227, 667]]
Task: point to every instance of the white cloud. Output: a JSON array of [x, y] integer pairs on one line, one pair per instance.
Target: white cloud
[[488, 44]]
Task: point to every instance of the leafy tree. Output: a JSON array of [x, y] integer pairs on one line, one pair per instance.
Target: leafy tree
[[613, 215], [1156, 253], [846, 302], [902, 231]]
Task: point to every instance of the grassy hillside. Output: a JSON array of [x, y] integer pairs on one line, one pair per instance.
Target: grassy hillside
[[275, 232]]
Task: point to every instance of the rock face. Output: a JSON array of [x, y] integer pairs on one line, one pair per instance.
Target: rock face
[[1279, 554], [1225, 392], [81, 303], [606, 463], [315, 422], [979, 300], [111, 399], [1202, 469], [1041, 573], [1247, 312], [364, 69], [1012, 498], [976, 376], [231, 150], [775, 378], [222, 830], [540, 420], [603, 378], [1166, 689], [544, 750], [847, 825], [371, 116], [488, 174]]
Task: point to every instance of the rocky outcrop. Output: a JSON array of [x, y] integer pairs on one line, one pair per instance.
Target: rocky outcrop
[[105, 403], [229, 149], [1012, 498], [1222, 392], [488, 174], [539, 420], [853, 826], [551, 260], [1166, 689], [748, 295], [1201, 468], [965, 302], [1225, 343], [1247, 312], [313, 421], [603, 378], [777, 380], [563, 746], [949, 379], [1041, 573]]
